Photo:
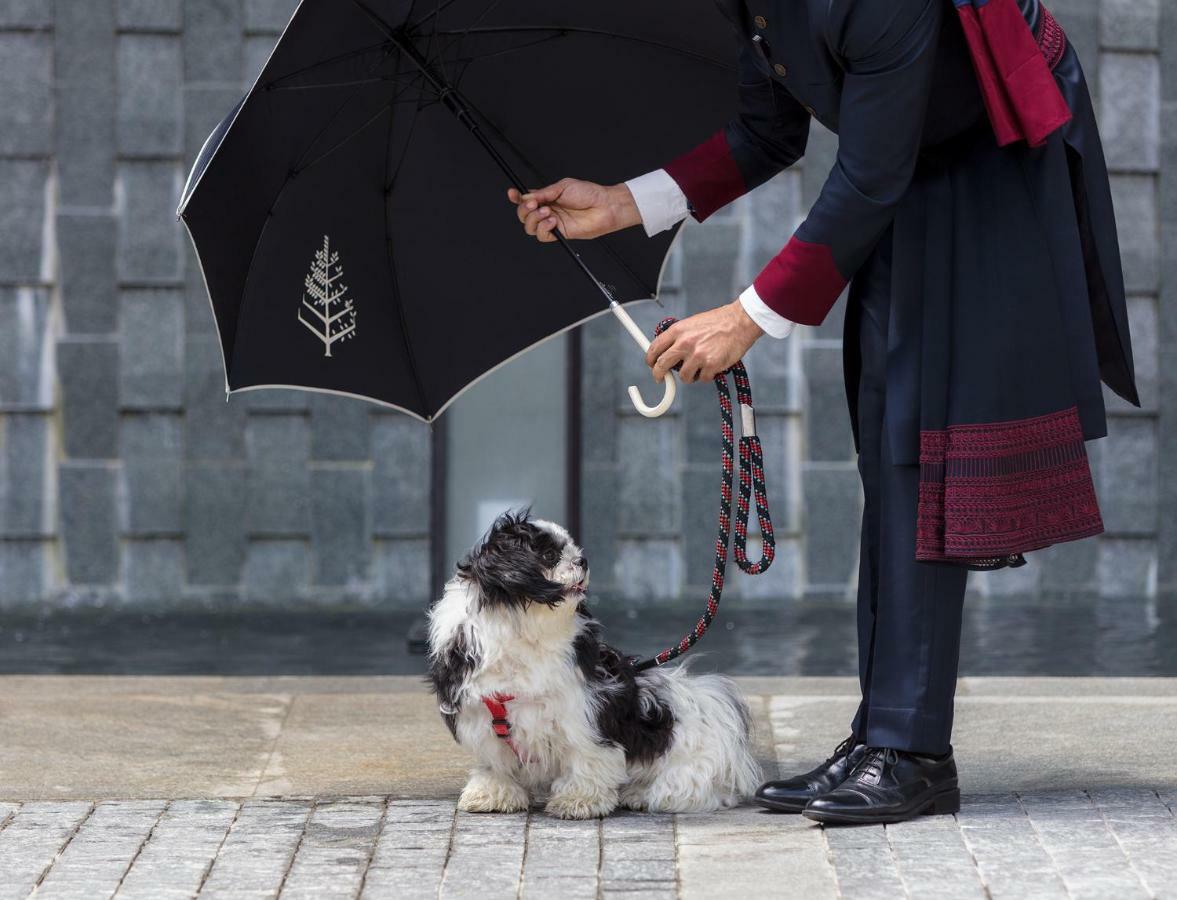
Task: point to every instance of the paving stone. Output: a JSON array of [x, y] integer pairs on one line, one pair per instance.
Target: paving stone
[[400, 476], [277, 447], [411, 852], [743, 853], [866, 872], [26, 377], [340, 525], [155, 15], [486, 856], [22, 220], [1130, 110], [257, 853], [180, 851], [401, 571], [149, 237], [30, 842], [95, 860], [150, 74], [87, 246], [214, 524], [89, 522], [1151, 847], [564, 857], [212, 39], [334, 852], [88, 370], [26, 117], [27, 499]]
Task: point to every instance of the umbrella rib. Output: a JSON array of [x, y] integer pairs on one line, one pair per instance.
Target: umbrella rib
[[600, 32], [325, 62], [394, 278]]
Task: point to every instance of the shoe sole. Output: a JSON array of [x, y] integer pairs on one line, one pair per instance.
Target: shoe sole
[[777, 806], [944, 803]]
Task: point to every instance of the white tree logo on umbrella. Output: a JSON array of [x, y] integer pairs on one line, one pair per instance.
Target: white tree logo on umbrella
[[326, 300]]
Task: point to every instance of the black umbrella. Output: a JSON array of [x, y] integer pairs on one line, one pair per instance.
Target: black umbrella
[[350, 213]]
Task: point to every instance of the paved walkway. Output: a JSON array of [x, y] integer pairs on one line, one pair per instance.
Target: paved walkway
[[321, 788]]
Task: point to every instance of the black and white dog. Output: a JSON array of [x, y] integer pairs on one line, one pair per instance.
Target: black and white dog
[[525, 682]]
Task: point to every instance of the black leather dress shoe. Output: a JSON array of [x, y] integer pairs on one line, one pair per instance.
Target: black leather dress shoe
[[890, 786], [792, 794]]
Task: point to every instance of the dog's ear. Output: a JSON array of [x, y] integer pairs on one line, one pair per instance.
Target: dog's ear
[[450, 667], [508, 568], [506, 579]]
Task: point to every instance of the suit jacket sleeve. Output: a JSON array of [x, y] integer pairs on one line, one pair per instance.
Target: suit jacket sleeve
[[768, 134], [888, 51]]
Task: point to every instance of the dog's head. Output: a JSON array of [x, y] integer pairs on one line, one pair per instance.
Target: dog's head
[[525, 562]]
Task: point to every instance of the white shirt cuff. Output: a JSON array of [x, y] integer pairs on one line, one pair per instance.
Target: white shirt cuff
[[660, 201], [773, 323]]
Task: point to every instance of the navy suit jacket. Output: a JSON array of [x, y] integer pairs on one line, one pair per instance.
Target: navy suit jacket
[[890, 78]]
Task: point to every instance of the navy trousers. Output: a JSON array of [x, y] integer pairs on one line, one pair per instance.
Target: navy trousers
[[909, 613]]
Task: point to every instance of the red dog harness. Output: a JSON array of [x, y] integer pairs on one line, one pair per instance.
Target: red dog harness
[[497, 705]]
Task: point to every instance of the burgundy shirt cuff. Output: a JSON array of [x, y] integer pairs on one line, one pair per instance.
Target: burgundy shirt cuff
[[801, 283], [708, 175]]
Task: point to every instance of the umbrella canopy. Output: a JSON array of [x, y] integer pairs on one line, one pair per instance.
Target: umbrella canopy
[[350, 214]]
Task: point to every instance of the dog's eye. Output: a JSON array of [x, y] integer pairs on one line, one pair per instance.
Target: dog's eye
[[551, 557]]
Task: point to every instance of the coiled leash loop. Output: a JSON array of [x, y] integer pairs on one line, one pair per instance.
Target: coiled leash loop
[[751, 482]]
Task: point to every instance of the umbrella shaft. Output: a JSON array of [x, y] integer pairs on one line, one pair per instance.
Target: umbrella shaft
[[457, 105]]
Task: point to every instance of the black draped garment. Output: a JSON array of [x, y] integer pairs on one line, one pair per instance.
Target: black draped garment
[[1008, 304]]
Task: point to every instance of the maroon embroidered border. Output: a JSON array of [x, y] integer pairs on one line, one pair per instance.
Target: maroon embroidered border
[[998, 490], [1052, 40]]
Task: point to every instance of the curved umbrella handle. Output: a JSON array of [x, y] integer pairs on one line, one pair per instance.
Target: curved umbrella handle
[[670, 385]]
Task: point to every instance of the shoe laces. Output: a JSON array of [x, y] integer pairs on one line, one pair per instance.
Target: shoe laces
[[872, 766], [843, 749]]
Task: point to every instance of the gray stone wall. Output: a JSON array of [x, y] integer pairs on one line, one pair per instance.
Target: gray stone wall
[[125, 478], [651, 487]]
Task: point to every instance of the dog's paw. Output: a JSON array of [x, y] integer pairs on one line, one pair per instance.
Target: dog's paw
[[633, 798], [487, 795], [578, 805]]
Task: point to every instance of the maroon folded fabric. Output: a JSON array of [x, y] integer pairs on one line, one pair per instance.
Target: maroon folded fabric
[[1014, 69]]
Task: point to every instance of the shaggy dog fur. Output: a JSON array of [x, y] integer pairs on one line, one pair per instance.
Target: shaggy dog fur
[[587, 728]]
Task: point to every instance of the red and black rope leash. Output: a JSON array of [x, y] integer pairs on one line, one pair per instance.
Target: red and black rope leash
[[751, 483]]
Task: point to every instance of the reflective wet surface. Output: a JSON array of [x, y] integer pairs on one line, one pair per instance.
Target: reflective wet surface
[[1028, 636]]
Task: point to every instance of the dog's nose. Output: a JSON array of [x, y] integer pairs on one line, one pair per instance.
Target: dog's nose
[[580, 561]]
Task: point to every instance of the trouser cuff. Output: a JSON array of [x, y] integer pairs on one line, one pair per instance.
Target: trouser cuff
[[903, 729]]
